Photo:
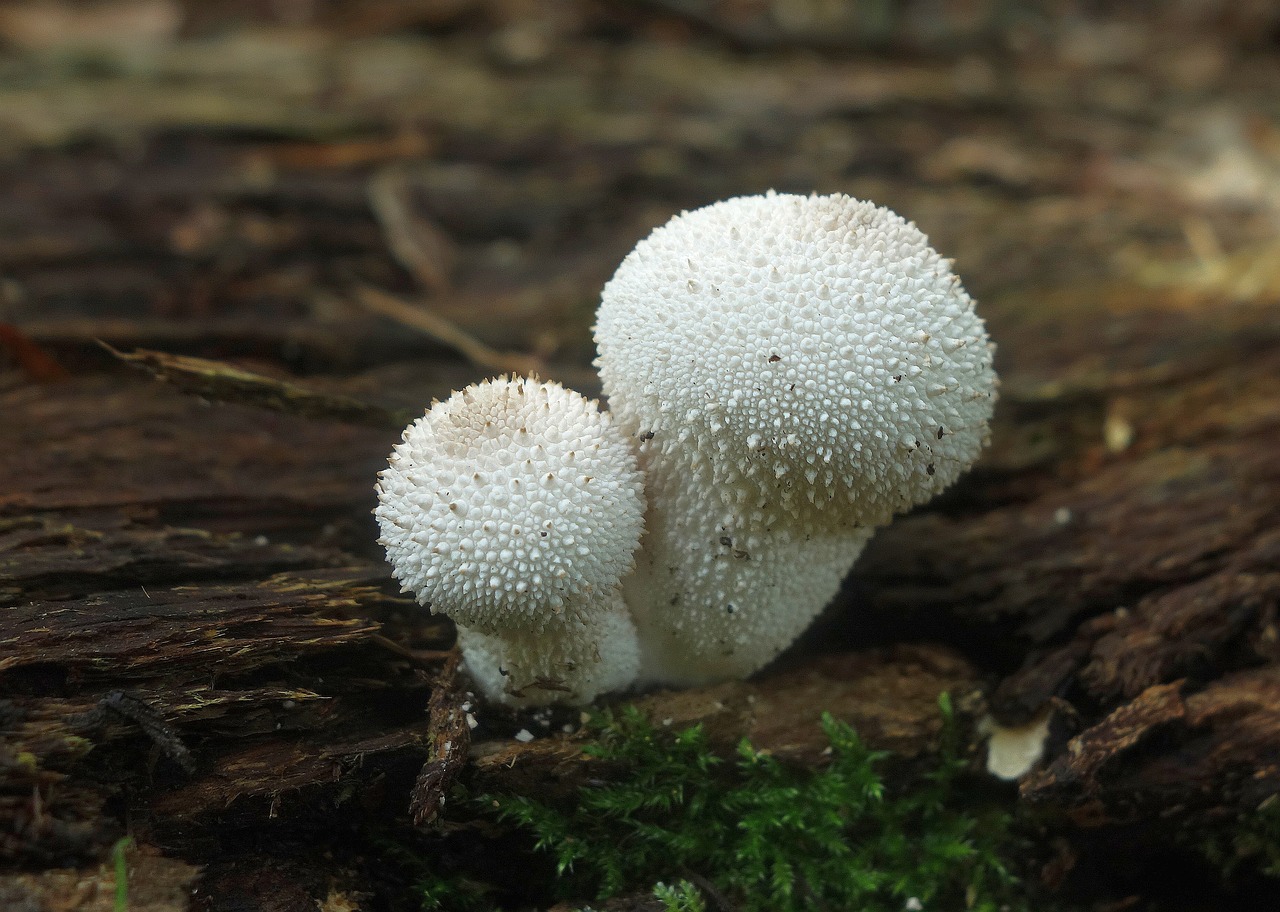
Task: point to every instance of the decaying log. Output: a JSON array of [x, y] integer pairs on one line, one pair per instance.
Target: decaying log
[[1143, 577], [203, 668], [270, 676], [889, 696], [200, 646]]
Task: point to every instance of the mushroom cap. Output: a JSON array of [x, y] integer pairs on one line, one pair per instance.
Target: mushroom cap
[[570, 662], [800, 352], [512, 503]]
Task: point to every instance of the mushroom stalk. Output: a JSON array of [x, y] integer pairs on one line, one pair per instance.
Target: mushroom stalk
[[570, 661], [715, 600]]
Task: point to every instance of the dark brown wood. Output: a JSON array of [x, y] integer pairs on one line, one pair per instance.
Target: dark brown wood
[[450, 740], [890, 696], [199, 643]]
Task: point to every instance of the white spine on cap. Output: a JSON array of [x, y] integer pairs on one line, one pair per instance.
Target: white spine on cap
[[798, 369]]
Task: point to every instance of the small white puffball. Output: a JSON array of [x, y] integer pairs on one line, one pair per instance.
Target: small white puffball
[[809, 349], [798, 370], [571, 661], [512, 504], [1012, 750]]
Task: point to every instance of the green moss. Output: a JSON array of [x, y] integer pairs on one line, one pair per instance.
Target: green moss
[[452, 894], [767, 835], [432, 886], [682, 897], [120, 861], [1255, 841]]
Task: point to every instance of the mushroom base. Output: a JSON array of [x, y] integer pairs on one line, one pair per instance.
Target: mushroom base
[[571, 662]]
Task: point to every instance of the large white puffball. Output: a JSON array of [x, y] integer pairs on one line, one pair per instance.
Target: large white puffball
[[511, 504], [797, 370]]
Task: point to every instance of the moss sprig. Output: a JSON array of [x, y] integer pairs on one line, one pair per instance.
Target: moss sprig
[[768, 835]]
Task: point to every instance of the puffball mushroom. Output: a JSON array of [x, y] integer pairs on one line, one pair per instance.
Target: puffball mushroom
[[515, 507], [797, 371]]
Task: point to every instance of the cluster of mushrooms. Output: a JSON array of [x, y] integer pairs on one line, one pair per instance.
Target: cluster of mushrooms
[[783, 373]]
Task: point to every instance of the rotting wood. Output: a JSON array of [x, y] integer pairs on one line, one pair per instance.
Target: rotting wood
[[199, 667], [220, 382], [447, 721], [889, 696], [1112, 559]]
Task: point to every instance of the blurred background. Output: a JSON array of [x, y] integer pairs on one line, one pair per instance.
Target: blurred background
[[273, 179]]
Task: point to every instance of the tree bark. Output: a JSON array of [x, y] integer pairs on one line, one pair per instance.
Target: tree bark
[[200, 646]]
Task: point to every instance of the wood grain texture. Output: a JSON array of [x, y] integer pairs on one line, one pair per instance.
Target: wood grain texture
[[199, 642]]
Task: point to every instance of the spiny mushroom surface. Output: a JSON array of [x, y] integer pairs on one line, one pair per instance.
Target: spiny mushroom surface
[[798, 370], [515, 507]]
